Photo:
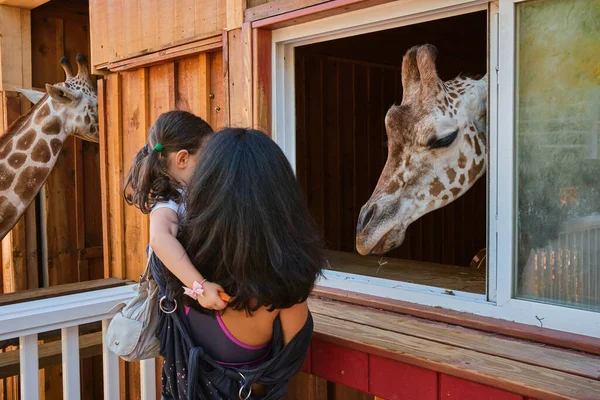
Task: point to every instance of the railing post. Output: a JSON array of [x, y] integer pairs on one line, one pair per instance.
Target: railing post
[[70, 363], [29, 365], [110, 365], [148, 379]]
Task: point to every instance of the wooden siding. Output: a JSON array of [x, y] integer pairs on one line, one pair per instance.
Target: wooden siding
[[15, 49], [129, 103], [258, 9], [72, 198], [126, 28], [276, 14]]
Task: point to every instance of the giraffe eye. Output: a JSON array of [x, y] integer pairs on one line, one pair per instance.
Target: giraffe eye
[[442, 142]]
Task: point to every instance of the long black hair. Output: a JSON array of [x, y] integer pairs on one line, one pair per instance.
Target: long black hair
[[148, 181], [248, 227]]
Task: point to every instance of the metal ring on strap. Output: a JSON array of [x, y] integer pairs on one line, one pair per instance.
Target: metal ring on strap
[[162, 308], [243, 383]]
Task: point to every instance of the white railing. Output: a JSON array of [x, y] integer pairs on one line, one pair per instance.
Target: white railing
[[26, 320]]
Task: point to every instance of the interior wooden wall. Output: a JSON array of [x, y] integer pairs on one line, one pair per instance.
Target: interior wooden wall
[[124, 28], [130, 102], [72, 192], [74, 226], [343, 91], [19, 263]]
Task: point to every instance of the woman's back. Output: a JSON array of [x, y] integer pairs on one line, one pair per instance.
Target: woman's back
[[233, 337], [257, 329], [236, 338]]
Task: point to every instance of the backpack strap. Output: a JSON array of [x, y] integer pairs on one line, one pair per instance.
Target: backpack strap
[[147, 272]]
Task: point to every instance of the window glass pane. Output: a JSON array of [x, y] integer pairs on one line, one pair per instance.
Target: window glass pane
[[558, 164]]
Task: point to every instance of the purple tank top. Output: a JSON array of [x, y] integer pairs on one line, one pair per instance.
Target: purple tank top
[[209, 332]]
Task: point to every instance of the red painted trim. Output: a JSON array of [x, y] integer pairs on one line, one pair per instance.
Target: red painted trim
[[393, 380], [452, 388], [315, 12], [487, 324], [321, 365], [340, 364]]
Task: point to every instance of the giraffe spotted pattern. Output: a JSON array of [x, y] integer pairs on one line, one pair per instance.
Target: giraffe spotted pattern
[[441, 128], [30, 147]]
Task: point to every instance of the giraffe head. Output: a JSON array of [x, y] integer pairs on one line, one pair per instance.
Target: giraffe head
[[436, 151], [77, 100]]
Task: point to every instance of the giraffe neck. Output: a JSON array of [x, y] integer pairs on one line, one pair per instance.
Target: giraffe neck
[[28, 152]]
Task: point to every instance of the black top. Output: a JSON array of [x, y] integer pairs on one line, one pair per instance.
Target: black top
[[209, 332]]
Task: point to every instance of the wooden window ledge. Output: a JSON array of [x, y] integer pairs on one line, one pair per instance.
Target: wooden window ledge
[[354, 345]]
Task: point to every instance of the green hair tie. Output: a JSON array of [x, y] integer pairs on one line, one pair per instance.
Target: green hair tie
[[159, 147]]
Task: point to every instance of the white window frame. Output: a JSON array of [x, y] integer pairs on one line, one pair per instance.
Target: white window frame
[[498, 302]]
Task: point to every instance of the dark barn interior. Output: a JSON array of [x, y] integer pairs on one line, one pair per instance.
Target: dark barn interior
[[344, 88]]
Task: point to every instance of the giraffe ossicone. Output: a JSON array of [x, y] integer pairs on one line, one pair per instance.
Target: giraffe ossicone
[[436, 151], [31, 145]]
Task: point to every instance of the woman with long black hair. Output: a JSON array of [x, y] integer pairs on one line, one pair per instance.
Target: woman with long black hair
[[248, 230]]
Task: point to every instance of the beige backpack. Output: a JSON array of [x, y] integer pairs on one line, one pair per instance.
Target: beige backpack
[[132, 332]]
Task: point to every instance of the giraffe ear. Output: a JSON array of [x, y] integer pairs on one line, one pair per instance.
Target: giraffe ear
[[410, 74], [426, 56], [61, 94], [32, 95]]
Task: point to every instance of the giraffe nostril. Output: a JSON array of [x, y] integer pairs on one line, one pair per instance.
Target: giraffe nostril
[[366, 217]]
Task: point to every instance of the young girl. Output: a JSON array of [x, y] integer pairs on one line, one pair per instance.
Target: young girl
[[249, 230], [157, 184]]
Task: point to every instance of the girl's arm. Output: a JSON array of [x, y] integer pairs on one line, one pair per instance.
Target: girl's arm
[[292, 321], [164, 225]]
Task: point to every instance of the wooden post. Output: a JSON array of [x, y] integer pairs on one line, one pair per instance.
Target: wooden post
[[205, 89], [114, 129], [261, 76], [240, 76]]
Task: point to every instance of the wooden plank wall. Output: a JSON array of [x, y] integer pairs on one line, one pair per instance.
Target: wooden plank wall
[[72, 219], [72, 202], [129, 103], [18, 251], [15, 49], [125, 28], [258, 9]]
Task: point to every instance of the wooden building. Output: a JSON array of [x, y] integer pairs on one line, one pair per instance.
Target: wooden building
[[319, 77]]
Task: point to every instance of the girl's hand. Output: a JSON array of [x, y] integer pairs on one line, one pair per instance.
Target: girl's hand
[[211, 299]]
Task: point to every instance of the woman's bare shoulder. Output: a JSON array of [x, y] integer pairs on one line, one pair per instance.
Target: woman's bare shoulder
[[292, 320]]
